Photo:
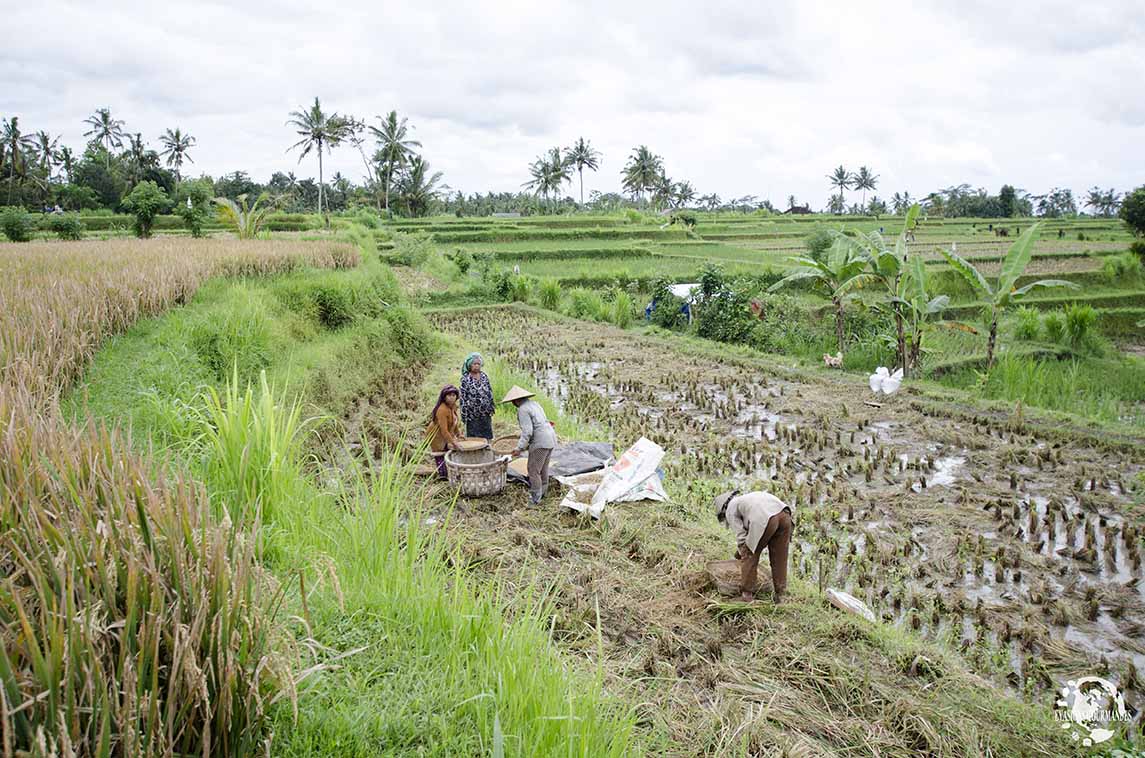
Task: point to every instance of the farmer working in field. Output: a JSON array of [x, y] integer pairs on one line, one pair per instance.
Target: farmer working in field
[[759, 520], [537, 436]]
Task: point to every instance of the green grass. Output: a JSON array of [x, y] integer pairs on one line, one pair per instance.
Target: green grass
[[406, 650], [1110, 390]]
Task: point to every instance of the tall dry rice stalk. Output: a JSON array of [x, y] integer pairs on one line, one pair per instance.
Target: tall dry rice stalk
[[131, 622]]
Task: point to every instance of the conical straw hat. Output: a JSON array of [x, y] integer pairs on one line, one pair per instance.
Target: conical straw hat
[[516, 394]]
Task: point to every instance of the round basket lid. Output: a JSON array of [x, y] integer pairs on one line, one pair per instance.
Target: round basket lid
[[472, 443]]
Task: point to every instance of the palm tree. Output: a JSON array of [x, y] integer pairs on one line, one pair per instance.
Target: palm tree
[[841, 179], [137, 156], [320, 132], [581, 156], [1110, 202], [549, 173], [342, 186], [684, 192], [865, 180], [643, 171], [18, 147], [67, 161], [790, 202], [831, 276], [901, 202], [246, 220], [175, 147], [105, 130], [1001, 293], [394, 148], [46, 148], [418, 186]]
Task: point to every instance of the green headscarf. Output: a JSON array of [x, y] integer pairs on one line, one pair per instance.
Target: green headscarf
[[469, 361]]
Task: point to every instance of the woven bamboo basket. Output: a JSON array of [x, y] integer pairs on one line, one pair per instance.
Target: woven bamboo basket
[[476, 472], [505, 445], [469, 444]]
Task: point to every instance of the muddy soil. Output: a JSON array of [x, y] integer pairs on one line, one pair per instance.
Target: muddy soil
[[1017, 544]]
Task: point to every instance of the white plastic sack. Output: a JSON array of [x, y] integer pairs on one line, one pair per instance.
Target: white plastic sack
[[884, 381], [847, 602], [632, 477], [627, 479]]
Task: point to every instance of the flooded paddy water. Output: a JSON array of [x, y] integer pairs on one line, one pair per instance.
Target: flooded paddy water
[[1019, 548]]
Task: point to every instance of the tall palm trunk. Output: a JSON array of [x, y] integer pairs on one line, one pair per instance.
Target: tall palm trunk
[[839, 321], [581, 172], [319, 179]]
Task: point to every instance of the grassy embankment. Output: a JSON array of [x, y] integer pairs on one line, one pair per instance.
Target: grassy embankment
[[394, 645]]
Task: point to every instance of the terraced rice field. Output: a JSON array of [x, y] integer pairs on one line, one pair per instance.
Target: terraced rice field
[[1016, 543]]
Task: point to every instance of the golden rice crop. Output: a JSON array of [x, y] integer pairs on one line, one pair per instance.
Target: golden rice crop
[[131, 622], [59, 301]]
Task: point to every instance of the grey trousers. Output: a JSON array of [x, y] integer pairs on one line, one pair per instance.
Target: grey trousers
[[538, 472]]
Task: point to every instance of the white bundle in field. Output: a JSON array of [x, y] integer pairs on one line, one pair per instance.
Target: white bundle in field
[[885, 382]]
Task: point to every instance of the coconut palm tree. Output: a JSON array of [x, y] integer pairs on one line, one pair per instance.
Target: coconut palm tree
[[549, 173], [684, 193], [46, 149], [320, 132], [865, 180], [581, 156], [175, 149], [1001, 294], [643, 172], [67, 161], [18, 147], [832, 276], [138, 157], [418, 186], [395, 148], [105, 130], [841, 179]]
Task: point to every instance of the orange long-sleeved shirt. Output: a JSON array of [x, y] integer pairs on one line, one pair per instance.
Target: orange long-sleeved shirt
[[444, 429]]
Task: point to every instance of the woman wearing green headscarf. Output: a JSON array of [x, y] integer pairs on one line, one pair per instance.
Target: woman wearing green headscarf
[[476, 398]]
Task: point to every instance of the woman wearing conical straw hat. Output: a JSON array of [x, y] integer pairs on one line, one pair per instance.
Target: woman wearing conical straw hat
[[537, 436]]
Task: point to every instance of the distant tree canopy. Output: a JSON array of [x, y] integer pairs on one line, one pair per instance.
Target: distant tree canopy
[[1133, 210]]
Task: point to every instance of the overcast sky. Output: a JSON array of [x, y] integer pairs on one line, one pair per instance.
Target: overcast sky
[[739, 98]]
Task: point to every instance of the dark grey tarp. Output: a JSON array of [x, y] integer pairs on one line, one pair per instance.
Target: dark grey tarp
[[574, 458]]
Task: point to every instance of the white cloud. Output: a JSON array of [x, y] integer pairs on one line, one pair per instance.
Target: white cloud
[[763, 99]]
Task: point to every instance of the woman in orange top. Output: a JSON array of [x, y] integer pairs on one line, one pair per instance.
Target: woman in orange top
[[444, 427]]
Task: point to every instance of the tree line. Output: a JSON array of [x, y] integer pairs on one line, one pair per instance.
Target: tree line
[[36, 171]]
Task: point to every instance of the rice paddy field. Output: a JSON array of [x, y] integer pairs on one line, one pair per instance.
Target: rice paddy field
[[218, 539]]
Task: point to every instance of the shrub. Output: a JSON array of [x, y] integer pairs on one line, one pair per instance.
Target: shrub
[[330, 301], [818, 242], [193, 204], [668, 311], [412, 249], [1133, 211], [633, 216], [368, 218], [687, 218], [622, 309], [550, 293], [585, 303], [711, 281], [67, 226], [461, 258], [1029, 324], [1137, 247], [1054, 326], [410, 333], [519, 288], [1079, 321], [146, 201], [17, 224], [726, 317], [1122, 268], [235, 343]]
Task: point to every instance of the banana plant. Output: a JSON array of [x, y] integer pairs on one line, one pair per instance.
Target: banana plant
[[830, 276], [887, 266], [1002, 293], [918, 306], [246, 220]]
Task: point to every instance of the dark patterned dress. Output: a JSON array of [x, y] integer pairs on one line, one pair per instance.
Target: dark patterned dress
[[477, 405]]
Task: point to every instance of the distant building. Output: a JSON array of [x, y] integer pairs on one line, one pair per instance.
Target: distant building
[[798, 210]]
